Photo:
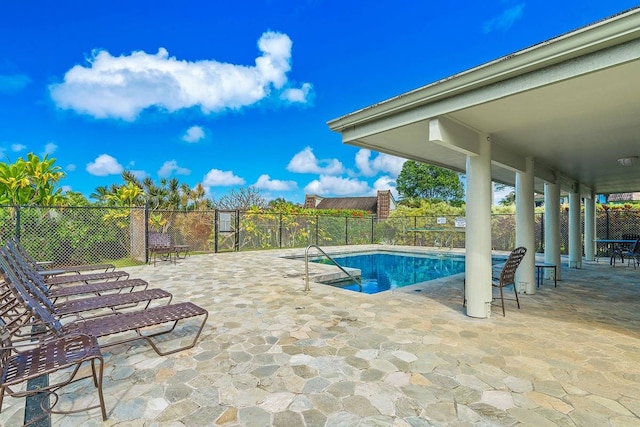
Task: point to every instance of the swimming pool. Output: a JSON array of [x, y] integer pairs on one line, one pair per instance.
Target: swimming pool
[[383, 271]]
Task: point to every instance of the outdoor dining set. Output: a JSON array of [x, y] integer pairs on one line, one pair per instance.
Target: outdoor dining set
[[627, 246]]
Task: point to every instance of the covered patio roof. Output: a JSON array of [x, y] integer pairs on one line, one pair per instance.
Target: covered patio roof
[[571, 103]]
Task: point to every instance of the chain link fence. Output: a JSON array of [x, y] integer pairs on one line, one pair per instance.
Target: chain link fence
[[79, 235]]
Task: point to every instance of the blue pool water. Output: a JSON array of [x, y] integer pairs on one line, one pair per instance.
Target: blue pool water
[[382, 271]]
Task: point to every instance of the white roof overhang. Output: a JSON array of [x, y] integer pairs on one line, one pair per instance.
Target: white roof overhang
[[572, 103]]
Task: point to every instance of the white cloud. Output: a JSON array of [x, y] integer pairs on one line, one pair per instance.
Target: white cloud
[[193, 134], [13, 83], [218, 178], [104, 165], [70, 167], [386, 183], [266, 183], [123, 86], [171, 166], [306, 162], [139, 174], [328, 185], [505, 20], [50, 148], [300, 95], [385, 163], [18, 147]]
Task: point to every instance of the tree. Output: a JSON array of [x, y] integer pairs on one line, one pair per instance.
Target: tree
[[509, 199], [433, 183], [31, 182], [244, 198]]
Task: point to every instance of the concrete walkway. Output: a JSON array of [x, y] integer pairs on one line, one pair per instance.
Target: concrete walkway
[[272, 354]]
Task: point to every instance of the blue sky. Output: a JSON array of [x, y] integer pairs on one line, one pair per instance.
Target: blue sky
[[237, 94]]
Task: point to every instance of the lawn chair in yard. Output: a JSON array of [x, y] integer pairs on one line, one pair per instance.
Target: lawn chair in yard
[[39, 266], [126, 326], [63, 356]]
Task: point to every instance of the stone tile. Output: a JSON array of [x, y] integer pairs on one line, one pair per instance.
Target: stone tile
[[272, 353]]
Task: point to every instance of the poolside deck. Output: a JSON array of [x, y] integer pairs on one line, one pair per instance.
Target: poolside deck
[[272, 354]]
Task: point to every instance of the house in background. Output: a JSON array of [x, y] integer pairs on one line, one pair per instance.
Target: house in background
[[622, 198], [379, 206]]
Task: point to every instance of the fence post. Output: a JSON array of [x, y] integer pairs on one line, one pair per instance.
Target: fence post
[[415, 232], [216, 219], [317, 221], [372, 229], [280, 232], [237, 237], [346, 230], [146, 233], [17, 222], [606, 223]]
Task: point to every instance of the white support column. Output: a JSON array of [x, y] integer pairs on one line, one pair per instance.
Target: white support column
[[590, 228], [575, 237], [478, 290], [552, 228], [525, 228]]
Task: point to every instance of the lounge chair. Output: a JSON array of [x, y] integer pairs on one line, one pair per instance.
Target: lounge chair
[[39, 266], [75, 278], [63, 279], [507, 275], [69, 290], [20, 364], [117, 301], [142, 324]]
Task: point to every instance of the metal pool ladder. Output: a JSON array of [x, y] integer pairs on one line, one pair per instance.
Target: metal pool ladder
[[306, 267]]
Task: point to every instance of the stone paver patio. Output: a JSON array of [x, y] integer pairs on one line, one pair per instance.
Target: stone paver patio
[[272, 354]]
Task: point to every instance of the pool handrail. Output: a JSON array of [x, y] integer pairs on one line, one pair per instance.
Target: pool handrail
[[306, 267]]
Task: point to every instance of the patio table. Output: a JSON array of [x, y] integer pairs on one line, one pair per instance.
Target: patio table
[[614, 248]]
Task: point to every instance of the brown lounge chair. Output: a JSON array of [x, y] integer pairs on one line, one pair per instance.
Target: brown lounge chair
[[38, 266], [17, 366], [141, 323], [54, 292], [52, 280], [114, 302], [66, 354]]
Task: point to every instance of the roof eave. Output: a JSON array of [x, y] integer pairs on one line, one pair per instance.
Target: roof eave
[[600, 35]]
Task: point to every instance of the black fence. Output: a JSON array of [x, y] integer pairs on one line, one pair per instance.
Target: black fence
[[69, 235]]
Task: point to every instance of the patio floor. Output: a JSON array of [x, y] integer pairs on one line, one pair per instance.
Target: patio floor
[[272, 354]]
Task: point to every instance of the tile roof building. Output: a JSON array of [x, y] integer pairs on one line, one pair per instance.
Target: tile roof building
[[380, 205]]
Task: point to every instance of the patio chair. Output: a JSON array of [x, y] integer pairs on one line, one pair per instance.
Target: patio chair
[[159, 244], [507, 275], [54, 292], [39, 266], [62, 279], [114, 302], [127, 326], [63, 356], [633, 254]]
